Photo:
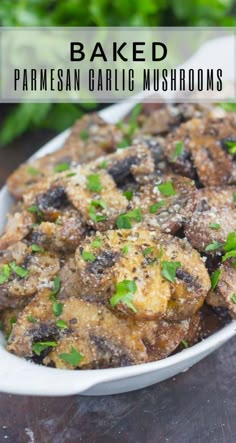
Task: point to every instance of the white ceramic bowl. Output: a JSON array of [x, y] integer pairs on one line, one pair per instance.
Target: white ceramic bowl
[[18, 376]]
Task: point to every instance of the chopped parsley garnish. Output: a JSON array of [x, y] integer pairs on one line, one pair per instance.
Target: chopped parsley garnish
[[125, 291], [88, 256], [128, 194], [35, 210], [229, 107], [233, 298], [123, 144], [125, 249], [215, 276], [73, 358], [154, 208], [12, 321], [185, 343], [33, 171], [97, 242], [57, 307], [57, 286], [166, 189], [234, 197], [168, 269], [231, 147], [36, 248], [179, 146], [148, 251], [21, 272], [230, 246], [103, 164], [1, 325], [40, 346], [61, 324], [93, 210], [5, 272], [215, 226], [213, 246], [84, 135], [71, 174], [124, 220], [61, 167], [31, 319], [94, 183], [135, 113]]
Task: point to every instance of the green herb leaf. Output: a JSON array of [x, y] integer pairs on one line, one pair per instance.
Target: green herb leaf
[[123, 144], [179, 146], [231, 147], [39, 347], [94, 183], [213, 246], [84, 135], [71, 174], [93, 211], [233, 298], [215, 226], [88, 256], [57, 307], [62, 324], [97, 242], [167, 189], [234, 197], [103, 164], [215, 276], [185, 343], [124, 220], [148, 251], [5, 272], [169, 270], [1, 325], [154, 208], [61, 167], [21, 272], [33, 171], [73, 358], [35, 210], [230, 242], [125, 249], [36, 248], [12, 321], [229, 107], [57, 286], [128, 194], [31, 319], [125, 291]]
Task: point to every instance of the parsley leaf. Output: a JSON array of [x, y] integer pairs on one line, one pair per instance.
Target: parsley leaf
[[92, 210], [33, 171], [234, 197], [185, 343], [61, 324], [57, 307], [125, 291], [35, 210], [73, 358], [94, 183], [215, 226], [88, 256], [233, 298], [215, 276], [61, 167], [128, 194], [169, 270], [148, 251], [36, 248], [103, 164], [123, 144], [97, 242], [213, 246], [84, 135], [31, 319], [154, 208], [166, 189], [5, 272], [124, 220], [230, 246], [57, 285], [125, 249], [231, 147], [179, 146], [40, 346], [21, 272]]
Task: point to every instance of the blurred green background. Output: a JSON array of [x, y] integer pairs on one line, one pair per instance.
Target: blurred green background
[[22, 117]]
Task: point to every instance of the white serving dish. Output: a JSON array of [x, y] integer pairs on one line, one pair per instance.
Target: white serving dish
[[18, 376]]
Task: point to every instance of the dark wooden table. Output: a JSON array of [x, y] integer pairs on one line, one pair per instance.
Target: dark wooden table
[[198, 406]]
